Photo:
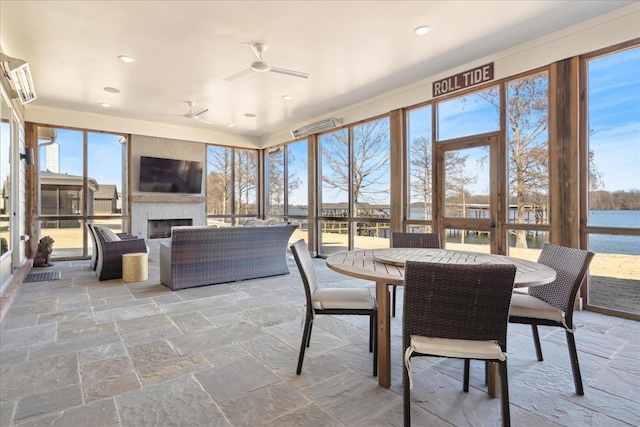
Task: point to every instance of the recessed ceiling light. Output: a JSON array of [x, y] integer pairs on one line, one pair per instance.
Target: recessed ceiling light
[[127, 59], [111, 90], [249, 115], [230, 125], [286, 97], [105, 105], [422, 30]]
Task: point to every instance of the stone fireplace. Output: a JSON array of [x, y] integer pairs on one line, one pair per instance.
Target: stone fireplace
[[161, 228], [153, 216]]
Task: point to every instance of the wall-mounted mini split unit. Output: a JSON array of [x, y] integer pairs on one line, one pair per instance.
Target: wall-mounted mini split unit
[[321, 126], [19, 75]]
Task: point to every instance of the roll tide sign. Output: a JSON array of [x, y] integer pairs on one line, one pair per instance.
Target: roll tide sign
[[463, 80]]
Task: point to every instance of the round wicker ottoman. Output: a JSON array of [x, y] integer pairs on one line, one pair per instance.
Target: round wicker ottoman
[[134, 267]]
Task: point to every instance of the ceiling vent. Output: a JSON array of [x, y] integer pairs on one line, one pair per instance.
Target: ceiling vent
[[320, 126]]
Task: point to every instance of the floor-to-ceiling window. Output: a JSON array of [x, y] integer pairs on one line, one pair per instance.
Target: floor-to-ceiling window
[[287, 185], [78, 185], [355, 173], [420, 170], [527, 151], [611, 179], [232, 185]]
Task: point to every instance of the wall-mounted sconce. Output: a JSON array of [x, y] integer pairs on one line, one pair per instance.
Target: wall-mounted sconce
[[28, 157], [19, 75]]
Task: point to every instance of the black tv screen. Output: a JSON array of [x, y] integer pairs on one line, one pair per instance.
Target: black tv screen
[[170, 175]]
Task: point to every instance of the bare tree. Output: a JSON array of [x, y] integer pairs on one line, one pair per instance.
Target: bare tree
[[370, 163], [421, 171], [219, 189], [246, 181], [277, 182], [457, 180], [595, 178], [527, 141]]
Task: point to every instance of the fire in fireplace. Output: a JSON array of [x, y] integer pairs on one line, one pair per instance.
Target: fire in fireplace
[[161, 228]]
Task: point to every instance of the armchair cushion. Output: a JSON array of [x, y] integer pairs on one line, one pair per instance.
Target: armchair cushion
[[110, 235]]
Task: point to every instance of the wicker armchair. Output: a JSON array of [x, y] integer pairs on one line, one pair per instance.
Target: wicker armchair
[[358, 301], [552, 304], [411, 240], [110, 250], [94, 253], [460, 311]]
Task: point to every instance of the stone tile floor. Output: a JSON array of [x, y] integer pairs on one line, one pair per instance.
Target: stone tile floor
[[79, 352]]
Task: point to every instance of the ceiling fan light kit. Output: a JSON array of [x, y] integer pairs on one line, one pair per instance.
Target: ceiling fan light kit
[[321, 126], [261, 67]]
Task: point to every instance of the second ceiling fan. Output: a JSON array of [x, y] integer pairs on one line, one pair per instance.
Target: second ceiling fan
[[263, 66]]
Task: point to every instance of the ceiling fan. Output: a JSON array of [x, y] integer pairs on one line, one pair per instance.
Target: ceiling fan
[[263, 66], [192, 114]]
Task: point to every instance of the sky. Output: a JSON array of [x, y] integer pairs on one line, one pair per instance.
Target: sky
[[614, 120], [104, 156]]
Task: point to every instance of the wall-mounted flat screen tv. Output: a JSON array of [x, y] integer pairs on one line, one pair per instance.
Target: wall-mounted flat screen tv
[[170, 175]]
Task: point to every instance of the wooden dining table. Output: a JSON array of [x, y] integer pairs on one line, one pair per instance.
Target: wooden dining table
[[386, 267]]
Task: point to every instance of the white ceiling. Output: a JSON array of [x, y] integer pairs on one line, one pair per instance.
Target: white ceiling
[[353, 51]]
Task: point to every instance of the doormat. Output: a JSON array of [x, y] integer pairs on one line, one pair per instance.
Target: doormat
[[41, 277]]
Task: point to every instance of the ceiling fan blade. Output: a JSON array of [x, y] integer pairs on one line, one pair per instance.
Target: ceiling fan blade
[[204, 110], [202, 120], [289, 72], [253, 49], [237, 75]]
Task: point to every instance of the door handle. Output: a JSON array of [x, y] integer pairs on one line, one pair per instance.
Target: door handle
[[492, 224]]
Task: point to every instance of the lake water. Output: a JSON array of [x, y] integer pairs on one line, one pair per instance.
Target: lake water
[[599, 243], [602, 243]]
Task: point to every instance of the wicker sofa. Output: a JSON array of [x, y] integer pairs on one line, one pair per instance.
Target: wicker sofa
[[199, 256]]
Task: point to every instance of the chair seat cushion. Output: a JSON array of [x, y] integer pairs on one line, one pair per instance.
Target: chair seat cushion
[[463, 349], [343, 298], [447, 347], [532, 307]]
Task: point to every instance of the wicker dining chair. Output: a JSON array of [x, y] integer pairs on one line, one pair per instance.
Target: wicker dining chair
[[337, 301], [552, 304], [459, 311], [411, 240]]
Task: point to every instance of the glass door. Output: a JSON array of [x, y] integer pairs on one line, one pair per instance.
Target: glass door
[[467, 188]]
